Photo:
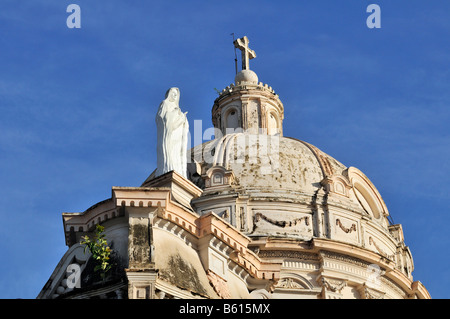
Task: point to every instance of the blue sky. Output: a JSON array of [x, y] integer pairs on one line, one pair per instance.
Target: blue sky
[[77, 106]]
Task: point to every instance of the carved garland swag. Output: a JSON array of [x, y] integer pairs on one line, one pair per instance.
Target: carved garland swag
[[345, 229], [281, 223]]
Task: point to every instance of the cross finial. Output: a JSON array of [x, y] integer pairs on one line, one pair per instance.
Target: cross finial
[[247, 53]]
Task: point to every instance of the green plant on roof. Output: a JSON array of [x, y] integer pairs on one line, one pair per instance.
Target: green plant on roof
[[99, 249]]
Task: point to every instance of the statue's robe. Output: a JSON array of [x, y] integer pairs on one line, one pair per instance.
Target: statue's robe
[[172, 132]]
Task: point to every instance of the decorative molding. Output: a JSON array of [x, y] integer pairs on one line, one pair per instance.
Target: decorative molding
[[346, 259], [370, 293], [289, 283], [282, 223], [211, 224], [336, 184], [303, 265], [218, 175], [333, 285], [380, 251], [219, 285], [345, 229], [288, 254], [141, 284], [393, 286]]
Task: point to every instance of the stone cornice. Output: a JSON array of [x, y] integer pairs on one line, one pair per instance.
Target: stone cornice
[[325, 248], [244, 88], [199, 226], [211, 224], [420, 290], [171, 177], [368, 256]]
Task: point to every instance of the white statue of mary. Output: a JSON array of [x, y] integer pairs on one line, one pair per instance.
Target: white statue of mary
[[172, 133]]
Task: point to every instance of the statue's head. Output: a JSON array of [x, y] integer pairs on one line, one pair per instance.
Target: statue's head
[[173, 94]]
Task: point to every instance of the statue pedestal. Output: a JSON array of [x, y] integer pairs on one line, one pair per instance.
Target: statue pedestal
[[182, 190]]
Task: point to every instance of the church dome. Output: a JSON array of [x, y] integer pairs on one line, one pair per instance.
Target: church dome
[[268, 166], [270, 186], [246, 76]]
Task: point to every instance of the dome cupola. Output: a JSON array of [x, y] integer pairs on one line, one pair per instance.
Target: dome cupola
[[248, 105]]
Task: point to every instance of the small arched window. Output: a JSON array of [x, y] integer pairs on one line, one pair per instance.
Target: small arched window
[[272, 124], [232, 119]]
